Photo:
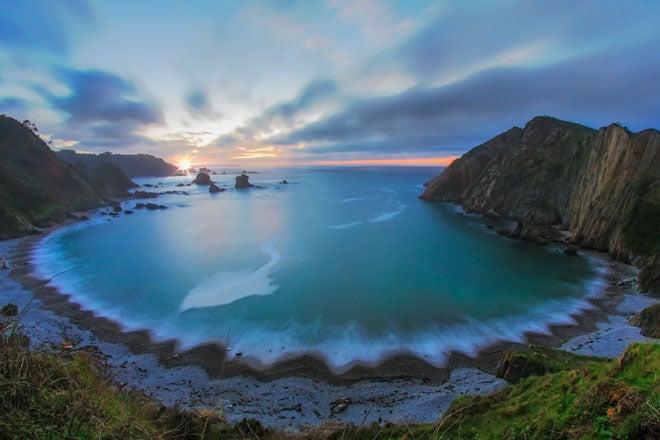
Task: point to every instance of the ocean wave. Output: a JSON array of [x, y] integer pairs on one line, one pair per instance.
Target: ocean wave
[[344, 346], [224, 287]]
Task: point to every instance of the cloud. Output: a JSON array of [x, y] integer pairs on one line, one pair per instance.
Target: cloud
[[42, 26], [102, 109], [199, 105], [284, 114], [600, 88]]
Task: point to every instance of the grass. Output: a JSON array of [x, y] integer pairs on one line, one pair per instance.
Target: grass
[[617, 399], [68, 396]]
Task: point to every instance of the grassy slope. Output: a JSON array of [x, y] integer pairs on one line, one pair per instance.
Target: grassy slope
[[617, 399], [48, 396]]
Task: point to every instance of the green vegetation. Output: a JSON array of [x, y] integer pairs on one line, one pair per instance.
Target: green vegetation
[[617, 399], [67, 396]]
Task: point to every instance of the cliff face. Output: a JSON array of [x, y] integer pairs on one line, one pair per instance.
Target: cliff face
[[37, 189], [134, 165], [603, 185]]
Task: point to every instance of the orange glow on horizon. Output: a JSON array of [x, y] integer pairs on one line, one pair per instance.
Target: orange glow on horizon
[[412, 161], [268, 162]]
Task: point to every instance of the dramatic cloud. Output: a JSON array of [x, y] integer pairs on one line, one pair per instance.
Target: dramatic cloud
[[199, 105], [599, 88], [102, 109], [284, 114], [415, 78]]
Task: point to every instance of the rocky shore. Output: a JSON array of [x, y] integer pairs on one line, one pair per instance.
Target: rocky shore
[[597, 189]]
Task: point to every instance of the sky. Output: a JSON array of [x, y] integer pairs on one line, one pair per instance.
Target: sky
[[272, 83]]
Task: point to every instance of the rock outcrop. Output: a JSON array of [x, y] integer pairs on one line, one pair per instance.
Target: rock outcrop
[[514, 366], [112, 180], [133, 165], [602, 185], [213, 188], [202, 179], [649, 279], [36, 188], [648, 320], [243, 181]]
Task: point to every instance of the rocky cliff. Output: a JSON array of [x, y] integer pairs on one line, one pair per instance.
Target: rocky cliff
[[38, 189], [133, 165], [603, 185]]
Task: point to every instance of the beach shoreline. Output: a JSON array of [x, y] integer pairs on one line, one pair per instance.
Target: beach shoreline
[[409, 378]]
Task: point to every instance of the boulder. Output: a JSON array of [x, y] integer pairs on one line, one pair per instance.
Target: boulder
[[243, 181], [213, 188], [116, 207], [128, 211], [571, 250], [202, 179], [536, 361], [284, 182], [649, 279], [154, 206], [648, 320], [491, 214], [144, 195]]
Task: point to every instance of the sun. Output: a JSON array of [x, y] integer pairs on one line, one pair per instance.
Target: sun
[[184, 164]]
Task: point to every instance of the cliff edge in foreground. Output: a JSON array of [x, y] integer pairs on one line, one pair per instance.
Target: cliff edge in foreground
[[603, 185]]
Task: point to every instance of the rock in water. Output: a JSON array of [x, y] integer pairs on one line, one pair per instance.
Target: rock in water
[[570, 250], [202, 179], [243, 181], [213, 188], [604, 185], [154, 206]]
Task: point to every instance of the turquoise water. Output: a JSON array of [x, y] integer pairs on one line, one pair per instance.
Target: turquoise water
[[346, 263]]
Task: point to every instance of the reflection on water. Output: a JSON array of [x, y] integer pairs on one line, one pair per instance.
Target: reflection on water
[[347, 263]]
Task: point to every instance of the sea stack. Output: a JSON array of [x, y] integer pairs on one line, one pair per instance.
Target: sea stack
[[213, 188], [243, 181], [202, 179]]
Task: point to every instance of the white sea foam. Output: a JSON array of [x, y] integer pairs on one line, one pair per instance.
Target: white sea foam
[[385, 216], [353, 199], [392, 201], [351, 343], [346, 225], [225, 287]]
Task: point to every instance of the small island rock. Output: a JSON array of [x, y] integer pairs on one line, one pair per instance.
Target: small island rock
[[202, 179], [213, 188], [243, 181]]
